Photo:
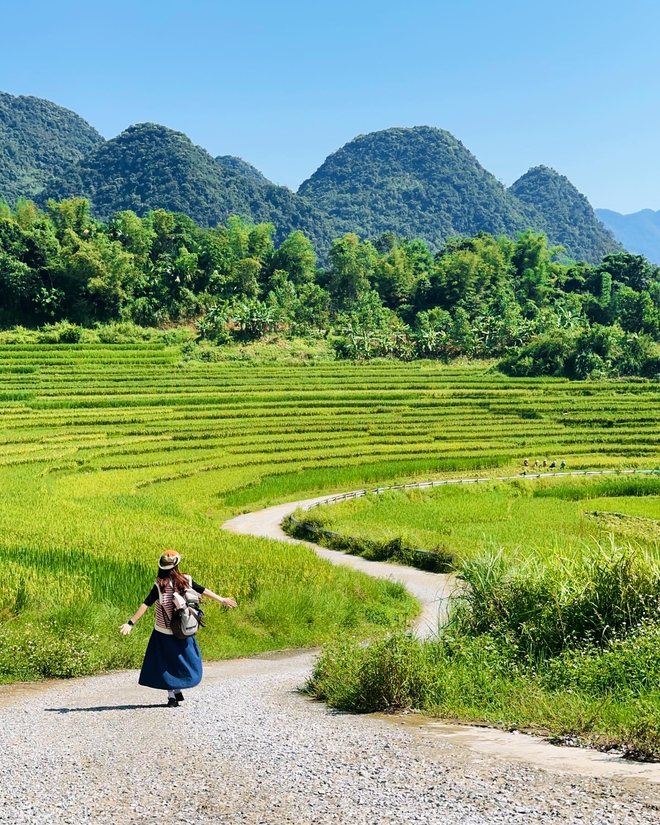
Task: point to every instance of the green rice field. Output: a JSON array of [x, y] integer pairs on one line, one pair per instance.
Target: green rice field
[[110, 453], [544, 519]]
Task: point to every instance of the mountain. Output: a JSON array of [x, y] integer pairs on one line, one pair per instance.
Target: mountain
[[419, 182], [555, 206], [639, 232], [38, 139], [243, 168], [152, 167]]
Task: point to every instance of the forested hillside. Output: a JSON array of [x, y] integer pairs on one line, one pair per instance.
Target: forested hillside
[[38, 139], [418, 182], [151, 167], [481, 297], [555, 207], [243, 168]]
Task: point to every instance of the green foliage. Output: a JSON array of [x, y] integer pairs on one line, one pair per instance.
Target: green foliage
[[418, 182], [150, 167], [553, 205], [560, 605], [480, 297], [594, 352], [37, 140], [607, 698]]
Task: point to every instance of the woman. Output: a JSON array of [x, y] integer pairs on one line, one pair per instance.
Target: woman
[[170, 664]]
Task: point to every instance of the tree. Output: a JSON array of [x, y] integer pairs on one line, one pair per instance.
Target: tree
[[351, 268], [629, 270], [534, 272], [70, 214], [297, 258]]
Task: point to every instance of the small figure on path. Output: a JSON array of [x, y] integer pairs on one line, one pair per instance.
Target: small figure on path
[[171, 663], [553, 466], [562, 466]]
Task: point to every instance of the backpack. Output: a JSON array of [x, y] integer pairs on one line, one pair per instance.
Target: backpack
[[187, 615]]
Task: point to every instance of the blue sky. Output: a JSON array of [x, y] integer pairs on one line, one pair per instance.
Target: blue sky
[[573, 85]]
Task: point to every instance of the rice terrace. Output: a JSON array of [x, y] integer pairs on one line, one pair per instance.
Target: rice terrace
[[329, 472]]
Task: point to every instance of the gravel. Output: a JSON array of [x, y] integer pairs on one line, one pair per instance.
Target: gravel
[[247, 747]]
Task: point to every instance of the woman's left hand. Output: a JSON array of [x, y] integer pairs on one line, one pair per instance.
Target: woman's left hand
[[230, 603]]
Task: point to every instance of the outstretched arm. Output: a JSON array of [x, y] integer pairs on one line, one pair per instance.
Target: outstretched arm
[[223, 601], [125, 629]]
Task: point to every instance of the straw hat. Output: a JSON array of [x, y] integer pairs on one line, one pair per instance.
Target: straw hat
[[168, 560]]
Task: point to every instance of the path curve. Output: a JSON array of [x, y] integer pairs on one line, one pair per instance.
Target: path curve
[[432, 590]]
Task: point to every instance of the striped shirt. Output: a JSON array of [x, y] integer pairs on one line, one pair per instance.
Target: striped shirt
[[163, 601]]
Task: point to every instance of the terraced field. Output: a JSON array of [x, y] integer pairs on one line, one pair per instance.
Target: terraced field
[[520, 519], [109, 453]]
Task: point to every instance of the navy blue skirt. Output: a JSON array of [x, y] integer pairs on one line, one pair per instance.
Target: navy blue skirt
[[171, 663]]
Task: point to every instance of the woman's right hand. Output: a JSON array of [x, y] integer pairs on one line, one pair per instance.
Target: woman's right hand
[[125, 629]]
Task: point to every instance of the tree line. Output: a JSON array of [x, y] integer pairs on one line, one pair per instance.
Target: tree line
[[480, 297]]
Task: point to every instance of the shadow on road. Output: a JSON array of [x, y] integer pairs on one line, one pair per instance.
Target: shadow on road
[[101, 708]]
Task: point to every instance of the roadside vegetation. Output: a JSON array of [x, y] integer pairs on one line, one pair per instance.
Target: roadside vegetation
[[556, 623]]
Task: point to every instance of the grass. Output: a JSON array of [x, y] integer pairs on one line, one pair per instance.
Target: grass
[[474, 680], [558, 621], [520, 519], [112, 450]]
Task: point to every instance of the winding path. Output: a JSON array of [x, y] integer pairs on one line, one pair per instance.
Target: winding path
[[246, 747], [432, 590]]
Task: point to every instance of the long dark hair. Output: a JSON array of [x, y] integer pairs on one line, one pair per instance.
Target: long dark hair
[[176, 577]]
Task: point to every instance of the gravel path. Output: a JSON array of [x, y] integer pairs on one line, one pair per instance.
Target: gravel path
[[247, 747]]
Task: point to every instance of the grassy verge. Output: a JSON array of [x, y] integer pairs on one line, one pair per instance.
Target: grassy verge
[[521, 519], [475, 681], [567, 649], [393, 550]]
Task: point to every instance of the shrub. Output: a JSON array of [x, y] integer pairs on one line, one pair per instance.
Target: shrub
[[60, 333]]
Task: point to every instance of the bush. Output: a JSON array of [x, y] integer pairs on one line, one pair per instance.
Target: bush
[[124, 333], [397, 672], [60, 333], [545, 355]]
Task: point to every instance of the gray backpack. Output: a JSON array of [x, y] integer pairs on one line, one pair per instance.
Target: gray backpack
[[186, 613]]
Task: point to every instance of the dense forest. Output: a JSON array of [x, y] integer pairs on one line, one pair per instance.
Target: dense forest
[[418, 182], [480, 297], [150, 166]]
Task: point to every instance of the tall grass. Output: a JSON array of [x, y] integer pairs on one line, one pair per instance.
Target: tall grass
[[542, 609]]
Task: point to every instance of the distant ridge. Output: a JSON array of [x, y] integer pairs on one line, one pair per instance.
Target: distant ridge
[[639, 231], [554, 205]]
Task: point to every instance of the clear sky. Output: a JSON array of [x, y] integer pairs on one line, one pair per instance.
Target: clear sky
[[573, 85]]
